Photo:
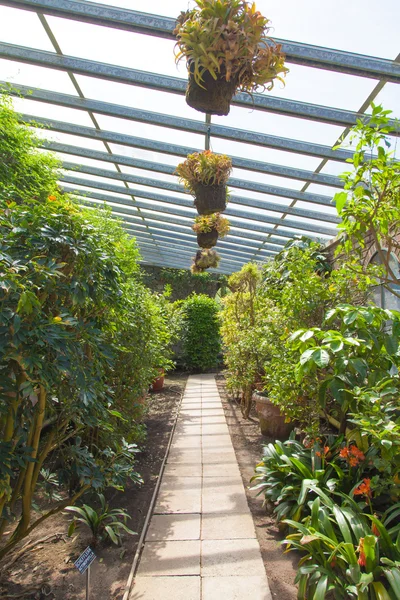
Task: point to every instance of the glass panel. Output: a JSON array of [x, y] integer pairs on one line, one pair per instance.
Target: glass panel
[[23, 28]]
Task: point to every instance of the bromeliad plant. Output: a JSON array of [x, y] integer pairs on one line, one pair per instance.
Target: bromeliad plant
[[209, 228], [348, 553], [205, 259], [205, 175], [226, 49], [103, 522]]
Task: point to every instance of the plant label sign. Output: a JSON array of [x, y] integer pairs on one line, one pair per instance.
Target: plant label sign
[[85, 560]]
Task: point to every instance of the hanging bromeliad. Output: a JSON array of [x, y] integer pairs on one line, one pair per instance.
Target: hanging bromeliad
[[209, 228], [227, 51], [205, 175]]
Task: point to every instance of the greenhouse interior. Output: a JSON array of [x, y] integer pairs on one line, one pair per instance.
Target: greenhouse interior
[[199, 300]]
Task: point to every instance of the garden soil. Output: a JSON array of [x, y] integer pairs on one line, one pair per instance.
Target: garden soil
[[247, 442], [47, 572]]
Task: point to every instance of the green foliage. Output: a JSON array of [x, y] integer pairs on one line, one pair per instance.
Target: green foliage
[[247, 324], [359, 354], [348, 554], [103, 523], [80, 338], [200, 333], [226, 38], [369, 207], [25, 172], [206, 168]]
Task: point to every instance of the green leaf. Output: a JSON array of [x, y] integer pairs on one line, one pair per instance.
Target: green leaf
[[321, 357], [111, 534]]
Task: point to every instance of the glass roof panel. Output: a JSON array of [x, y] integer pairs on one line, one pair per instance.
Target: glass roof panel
[[51, 111], [23, 28], [15, 72]]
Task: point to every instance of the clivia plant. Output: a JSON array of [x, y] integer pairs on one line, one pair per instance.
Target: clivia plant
[[103, 522], [205, 175], [209, 228], [205, 259], [226, 49]]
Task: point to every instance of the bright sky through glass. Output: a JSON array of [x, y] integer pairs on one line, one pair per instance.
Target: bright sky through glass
[[360, 26]]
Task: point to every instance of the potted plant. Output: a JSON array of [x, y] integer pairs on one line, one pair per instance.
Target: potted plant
[[209, 228], [272, 422], [226, 49], [205, 175], [158, 383], [205, 259]]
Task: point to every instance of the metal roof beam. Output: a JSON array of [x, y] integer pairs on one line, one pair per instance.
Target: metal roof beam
[[240, 163], [148, 24], [237, 200], [222, 243], [277, 143], [224, 248], [173, 85], [176, 187], [181, 212], [163, 222], [230, 211], [329, 115]]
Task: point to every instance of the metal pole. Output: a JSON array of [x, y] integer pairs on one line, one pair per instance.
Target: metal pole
[[208, 133], [87, 582]]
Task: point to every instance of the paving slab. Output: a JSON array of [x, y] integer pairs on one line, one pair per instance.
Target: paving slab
[[224, 558], [235, 588], [217, 526], [201, 543], [170, 558], [179, 495], [176, 588], [174, 527]]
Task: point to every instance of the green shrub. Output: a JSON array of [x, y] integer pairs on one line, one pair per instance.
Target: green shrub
[[80, 337], [200, 333]]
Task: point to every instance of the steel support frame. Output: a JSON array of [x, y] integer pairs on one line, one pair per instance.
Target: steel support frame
[[112, 201], [274, 142], [191, 243], [240, 163], [148, 24], [175, 187], [164, 222], [230, 211]]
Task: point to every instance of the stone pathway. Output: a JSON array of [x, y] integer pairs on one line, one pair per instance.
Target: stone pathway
[[201, 543]]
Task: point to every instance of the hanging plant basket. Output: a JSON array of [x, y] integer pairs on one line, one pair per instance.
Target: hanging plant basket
[[214, 97], [209, 199], [208, 239]]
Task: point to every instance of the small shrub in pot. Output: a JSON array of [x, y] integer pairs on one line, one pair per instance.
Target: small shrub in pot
[[209, 228]]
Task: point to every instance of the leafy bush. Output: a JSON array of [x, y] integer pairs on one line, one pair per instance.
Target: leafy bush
[[200, 333], [72, 306], [247, 323], [369, 207]]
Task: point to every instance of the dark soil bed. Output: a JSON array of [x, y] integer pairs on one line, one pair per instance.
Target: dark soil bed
[[248, 441], [46, 572]]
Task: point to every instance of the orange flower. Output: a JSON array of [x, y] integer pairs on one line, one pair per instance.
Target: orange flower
[[352, 454], [362, 560], [52, 198], [318, 454], [364, 489], [375, 530], [326, 450]]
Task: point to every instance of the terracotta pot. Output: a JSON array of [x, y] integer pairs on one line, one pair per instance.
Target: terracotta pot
[[209, 199], [214, 98], [207, 239], [272, 421], [158, 383]]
